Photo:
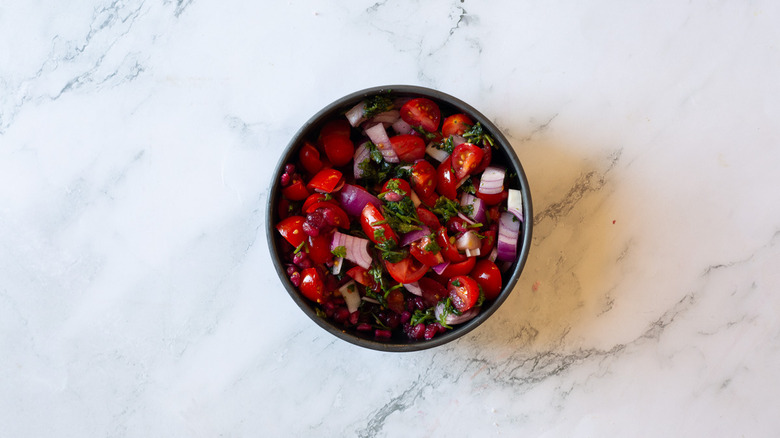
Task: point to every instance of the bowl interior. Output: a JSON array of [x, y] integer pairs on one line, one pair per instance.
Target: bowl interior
[[504, 155]]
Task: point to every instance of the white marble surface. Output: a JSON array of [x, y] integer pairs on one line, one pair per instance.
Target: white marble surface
[[136, 292]]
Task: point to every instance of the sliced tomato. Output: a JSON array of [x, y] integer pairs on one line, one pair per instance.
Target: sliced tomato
[[448, 248], [423, 179], [493, 199], [291, 229], [422, 250], [488, 276], [488, 242], [395, 301], [374, 225], [464, 292], [296, 191], [337, 215], [319, 248], [465, 158], [460, 268], [455, 124], [314, 198], [428, 218], [407, 270], [446, 182], [432, 291], [409, 148], [312, 284], [338, 149], [325, 181], [310, 158], [360, 274], [422, 112], [402, 185], [487, 157]]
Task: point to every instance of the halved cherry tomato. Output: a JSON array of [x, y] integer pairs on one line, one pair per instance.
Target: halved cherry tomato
[[422, 251], [338, 149], [312, 284], [319, 248], [464, 292], [493, 199], [316, 197], [461, 268], [488, 242], [296, 191], [487, 156], [446, 182], [395, 301], [432, 291], [340, 218], [360, 274], [448, 249], [310, 158], [423, 179], [487, 275], [409, 148], [406, 271], [465, 158], [456, 124], [402, 185], [428, 218], [291, 229], [374, 225], [422, 112], [336, 127], [325, 181]]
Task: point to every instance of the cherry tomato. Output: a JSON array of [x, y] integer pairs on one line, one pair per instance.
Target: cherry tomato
[[488, 242], [296, 191], [339, 216], [310, 158], [319, 248], [402, 185], [487, 156], [460, 268], [314, 198], [432, 291], [339, 150], [325, 181], [446, 182], [422, 112], [395, 301], [423, 179], [360, 274], [406, 271], [421, 250], [291, 229], [312, 285], [428, 218], [465, 158], [448, 249], [493, 199], [464, 292], [487, 275], [337, 127], [374, 225], [409, 148], [455, 124]]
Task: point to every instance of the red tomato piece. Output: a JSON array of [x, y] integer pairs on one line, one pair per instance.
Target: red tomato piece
[[422, 251], [339, 216], [319, 248], [488, 242], [464, 292], [336, 127], [487, 157], [291, 229], [423, 179], [432, 291], [400, 184], [312, 284], [406, 271], [296, 191], [310, 158], [314, 198], [493, 199], [374, 225], [446, 182], [360, 274], [448, 248], [395, 301], [465, 158], [283, 208], [325, 181], [422, 112], [460, 268], [339, 150], [455, 124], [488, 276], [428, 218], [409, 148]]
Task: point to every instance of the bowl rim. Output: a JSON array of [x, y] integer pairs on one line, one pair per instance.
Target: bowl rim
[[347, 102]]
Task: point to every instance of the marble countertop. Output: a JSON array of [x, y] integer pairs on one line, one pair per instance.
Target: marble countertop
[[137, 296]]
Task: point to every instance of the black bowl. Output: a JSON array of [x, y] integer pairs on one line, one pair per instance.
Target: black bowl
[[505, 155]]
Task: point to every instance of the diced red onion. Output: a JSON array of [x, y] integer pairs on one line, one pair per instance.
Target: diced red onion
[[468, 240], [478, 207], [357, 248], [338, 262], [415, 199], [414, 288], [440, 267], [387, 117], [436, 153], [514, 203], [400, 127], [354, 198], [414, 236], [370, 300], [355, 115], [492, 181], [493, 254], [508, 234], [451, 318], [379, 137], [472, 252], [456, 140], [351, 295], [361, 154]]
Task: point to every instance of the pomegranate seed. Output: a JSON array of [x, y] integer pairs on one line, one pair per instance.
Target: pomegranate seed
[[353, 317], [295, 279], [329, 217], [414, 331], [405, 317], [289, 168], [310, 229], [383, 334], [341, 314], [363, 327], [430, 332], [285, 180], [290, 270], [302, 260]]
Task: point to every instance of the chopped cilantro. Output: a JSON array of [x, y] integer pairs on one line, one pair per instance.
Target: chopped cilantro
[[375, 105], [421, 316], [446, 208], [402, 215], [427, 135], [477, 135], [447, 145], [456, 283], [339, 251], [432, 246], [468, 187], [389, 251], [300, 247]]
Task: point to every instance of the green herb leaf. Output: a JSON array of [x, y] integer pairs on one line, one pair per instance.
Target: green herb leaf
[[339, 251], [477, 135], [375, 105]]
